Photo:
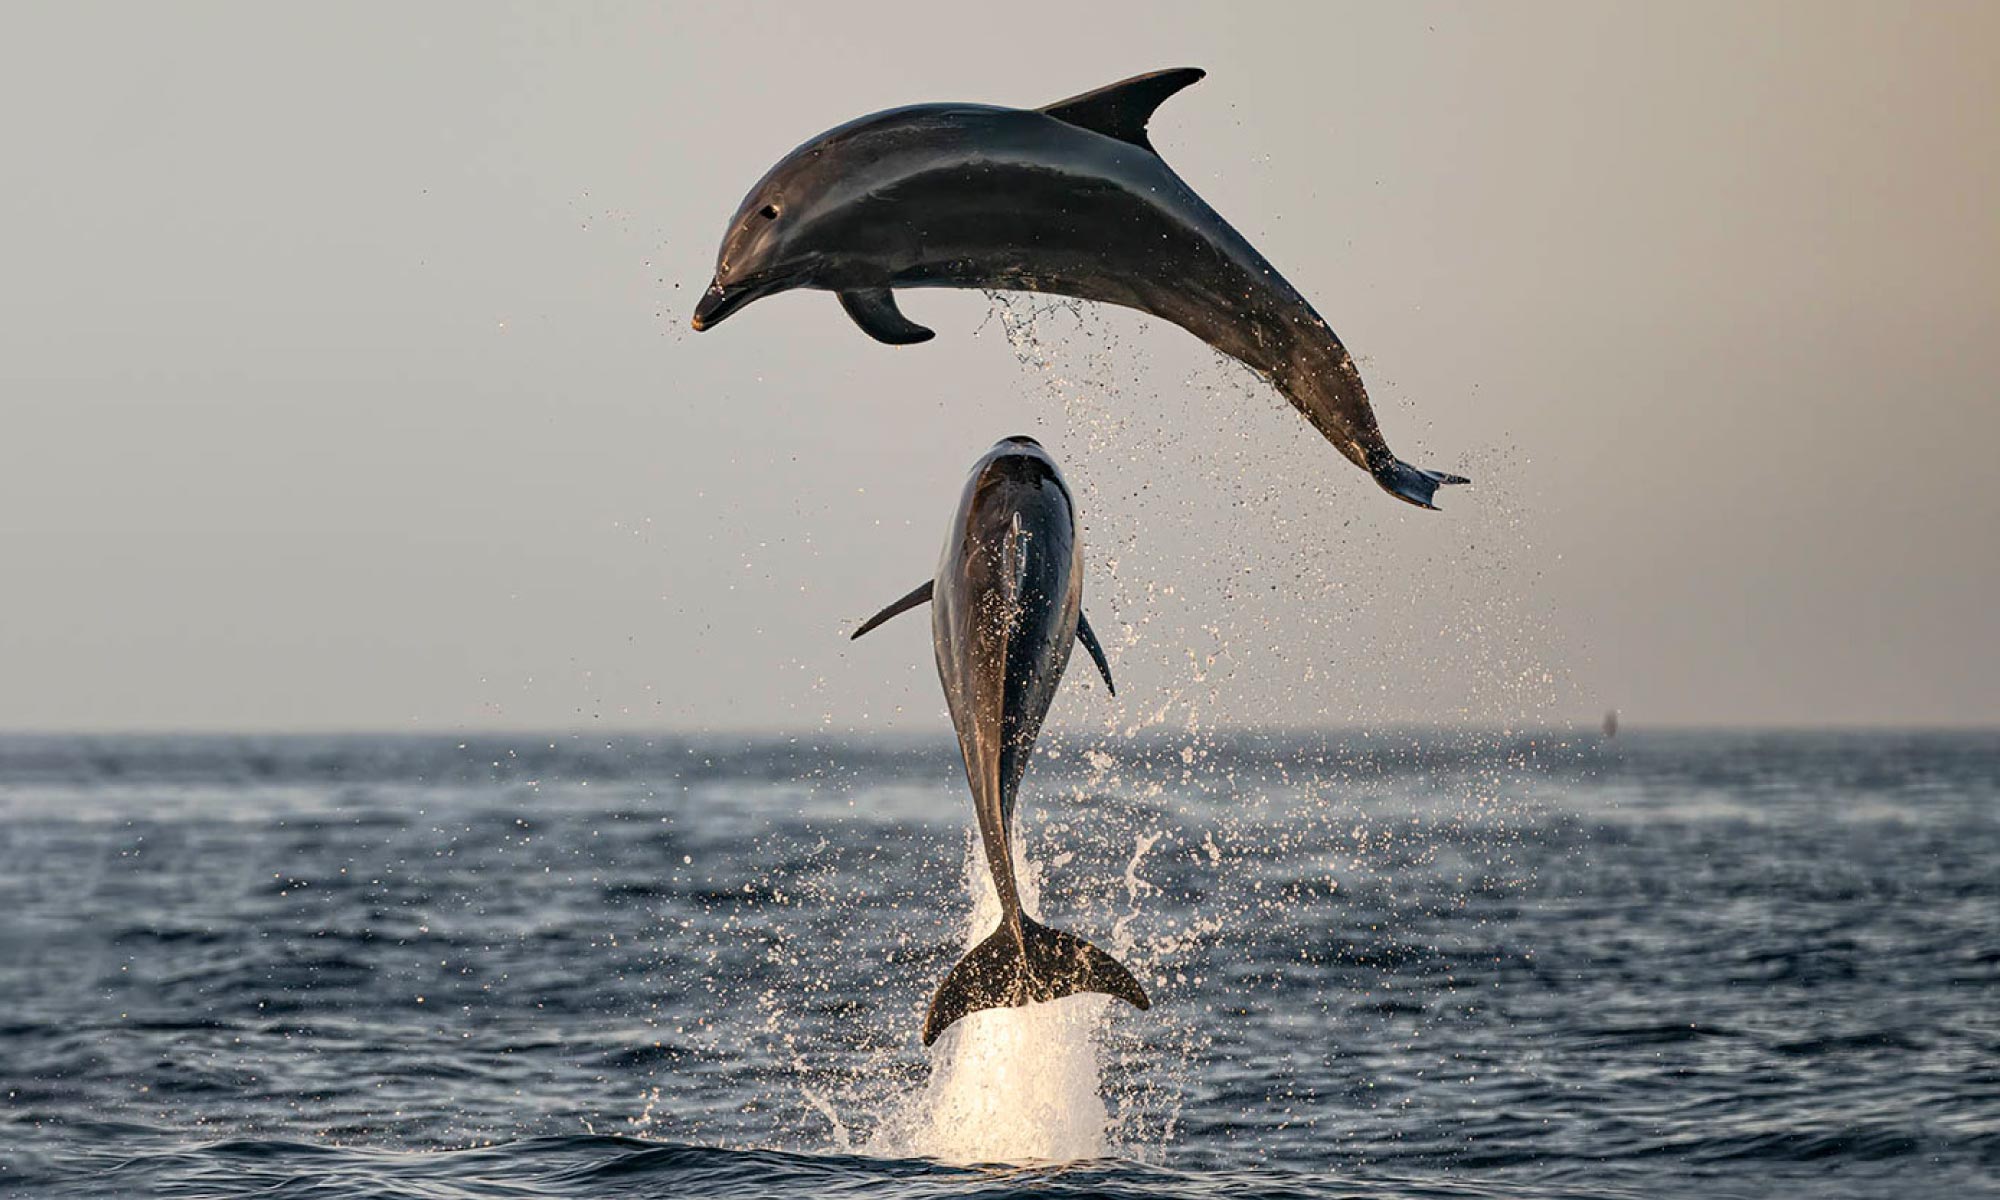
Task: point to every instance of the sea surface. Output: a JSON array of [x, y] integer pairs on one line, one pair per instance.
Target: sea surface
[[1404, 964]]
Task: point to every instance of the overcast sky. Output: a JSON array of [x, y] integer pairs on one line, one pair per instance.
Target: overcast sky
[[347, 383]]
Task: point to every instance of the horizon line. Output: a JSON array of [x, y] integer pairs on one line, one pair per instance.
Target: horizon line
[[1626, 728]]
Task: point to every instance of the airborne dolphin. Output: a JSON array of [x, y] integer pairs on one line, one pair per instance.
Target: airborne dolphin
[[1069, 199], [1008, 603]]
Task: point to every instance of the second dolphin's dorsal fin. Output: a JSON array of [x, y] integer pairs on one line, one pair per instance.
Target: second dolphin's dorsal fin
[[1085, 635], [921, 594], [874, 309], [1122, 109]]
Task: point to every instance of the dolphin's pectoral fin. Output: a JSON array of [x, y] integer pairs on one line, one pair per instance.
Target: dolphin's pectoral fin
[[918, 595], [874, 309], [1085, 635], [1122, 109]]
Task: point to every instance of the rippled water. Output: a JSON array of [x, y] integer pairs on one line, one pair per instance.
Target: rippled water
[[1405, 965]]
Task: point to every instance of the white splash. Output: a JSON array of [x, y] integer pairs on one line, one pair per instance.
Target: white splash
[[1008, 1084]]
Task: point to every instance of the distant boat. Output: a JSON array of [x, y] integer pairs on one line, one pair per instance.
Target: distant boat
[[1611, 722]]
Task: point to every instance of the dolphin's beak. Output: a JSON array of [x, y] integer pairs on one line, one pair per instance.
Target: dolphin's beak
[[718, 302]]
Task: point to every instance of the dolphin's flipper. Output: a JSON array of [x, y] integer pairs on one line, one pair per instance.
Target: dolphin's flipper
[[1122, 109], [995, 974], [918, 595], [1414, 484], [874, 309], [1085, 635]]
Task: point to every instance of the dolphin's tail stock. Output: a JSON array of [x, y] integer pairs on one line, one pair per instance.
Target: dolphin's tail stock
[[995, 974], [1413, 484]]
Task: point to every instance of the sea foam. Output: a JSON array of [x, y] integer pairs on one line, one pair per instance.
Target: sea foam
[[1008, 1084]]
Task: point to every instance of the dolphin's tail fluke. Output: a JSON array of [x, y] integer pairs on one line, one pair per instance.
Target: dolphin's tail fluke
[[996, 974], [1414, 484]]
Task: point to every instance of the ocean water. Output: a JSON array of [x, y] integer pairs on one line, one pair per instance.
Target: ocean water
[[1404, 964]]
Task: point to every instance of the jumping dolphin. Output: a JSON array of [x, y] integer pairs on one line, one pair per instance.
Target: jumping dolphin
[[1069, 199], [1008, 603]]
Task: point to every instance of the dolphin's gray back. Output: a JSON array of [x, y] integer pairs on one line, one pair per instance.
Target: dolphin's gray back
[[983, 173], [1003, 620]]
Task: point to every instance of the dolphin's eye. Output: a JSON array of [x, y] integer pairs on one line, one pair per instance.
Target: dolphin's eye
[[769, 212]]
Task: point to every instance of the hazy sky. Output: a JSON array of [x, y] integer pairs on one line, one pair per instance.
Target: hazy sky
[[347, 383]]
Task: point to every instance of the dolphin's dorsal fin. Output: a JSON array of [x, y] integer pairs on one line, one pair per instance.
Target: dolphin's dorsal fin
[[874, 309], [1089, 640], [1122, 109], [920, 594]]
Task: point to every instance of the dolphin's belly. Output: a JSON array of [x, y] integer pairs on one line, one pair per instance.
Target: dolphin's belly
[[1004, 619]]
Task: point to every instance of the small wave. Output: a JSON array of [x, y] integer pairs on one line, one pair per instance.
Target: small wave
[[600, 1166]]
